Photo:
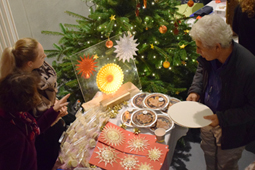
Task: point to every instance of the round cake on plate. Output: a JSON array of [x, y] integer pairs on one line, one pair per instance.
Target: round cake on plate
[[137, 100], [144, 118], [156, 101], [163, 121], [126, 116]]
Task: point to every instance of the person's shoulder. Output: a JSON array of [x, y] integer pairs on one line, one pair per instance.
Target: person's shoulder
[[241, 50], [243, 55], [244, 59]]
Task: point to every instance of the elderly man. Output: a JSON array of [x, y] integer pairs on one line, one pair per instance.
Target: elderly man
[[225, 82]]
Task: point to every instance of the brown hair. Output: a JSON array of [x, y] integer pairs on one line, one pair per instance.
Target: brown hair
[[248, 6], [25, 50], [18, 92]]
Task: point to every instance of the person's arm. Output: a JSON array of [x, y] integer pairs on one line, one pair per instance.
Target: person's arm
[[50, 115], [47, 118], [196, 87]]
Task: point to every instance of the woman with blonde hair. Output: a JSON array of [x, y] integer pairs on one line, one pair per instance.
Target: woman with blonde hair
[[244, 24], [28, 55]]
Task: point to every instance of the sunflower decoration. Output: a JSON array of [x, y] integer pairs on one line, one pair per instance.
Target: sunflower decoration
[[109, 78], [86, 66]]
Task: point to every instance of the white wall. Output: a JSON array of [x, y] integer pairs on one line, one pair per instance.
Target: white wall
[[33, 16]]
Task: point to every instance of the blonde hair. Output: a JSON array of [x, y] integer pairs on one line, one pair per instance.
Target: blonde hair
[[25, 50], [248, 6]]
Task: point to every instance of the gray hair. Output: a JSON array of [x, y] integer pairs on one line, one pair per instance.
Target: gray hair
[[210, 30]]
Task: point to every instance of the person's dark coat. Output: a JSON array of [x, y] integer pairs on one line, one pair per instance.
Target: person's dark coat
[[236, 110], [17, 150]]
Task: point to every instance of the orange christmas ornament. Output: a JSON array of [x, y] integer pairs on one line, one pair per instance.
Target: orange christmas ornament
[[166, 64], [109, 43], [190, 3], [145, 3], [162, 29], [86, 66]]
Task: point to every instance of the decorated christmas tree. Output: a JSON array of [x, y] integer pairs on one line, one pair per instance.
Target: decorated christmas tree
[[165, 55]]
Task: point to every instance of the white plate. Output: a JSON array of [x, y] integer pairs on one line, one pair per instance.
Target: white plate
[[190, 114]]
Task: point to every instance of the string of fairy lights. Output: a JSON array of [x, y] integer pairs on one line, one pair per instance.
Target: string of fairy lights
[[163, 62]]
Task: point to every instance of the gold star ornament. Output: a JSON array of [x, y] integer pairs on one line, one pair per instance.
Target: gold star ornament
[[186, 31], [183, 46], [184, 63], [136, 131], [123, 126], [112, 17], [95, 56], [152, 46]]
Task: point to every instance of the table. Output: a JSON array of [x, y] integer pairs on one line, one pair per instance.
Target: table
[[214, 5], [171, 138]]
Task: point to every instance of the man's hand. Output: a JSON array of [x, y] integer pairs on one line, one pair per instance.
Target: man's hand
[[193, 97], [214, 119]]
